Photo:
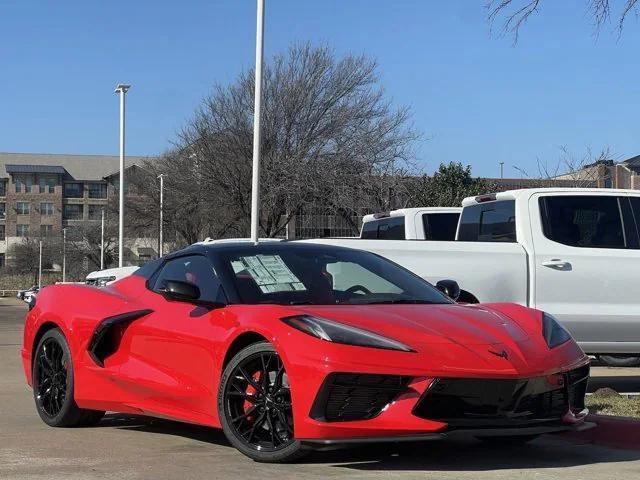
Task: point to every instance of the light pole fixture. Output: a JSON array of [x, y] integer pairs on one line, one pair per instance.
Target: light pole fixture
[[255, 178], [121, 89], [161, 177], [40, 267], [64, 254], [102, 239]]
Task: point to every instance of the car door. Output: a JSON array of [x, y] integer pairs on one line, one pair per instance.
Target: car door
[[169, 354], [586, 256]]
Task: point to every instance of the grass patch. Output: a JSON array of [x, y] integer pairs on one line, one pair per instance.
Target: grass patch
[[614, 405]]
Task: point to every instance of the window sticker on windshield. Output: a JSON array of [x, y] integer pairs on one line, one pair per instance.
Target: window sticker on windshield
[[269, 272]]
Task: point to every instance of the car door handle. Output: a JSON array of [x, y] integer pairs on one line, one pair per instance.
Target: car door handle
[[557, 263]]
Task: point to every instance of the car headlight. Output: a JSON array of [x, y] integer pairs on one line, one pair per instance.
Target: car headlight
[[331, 331], [554, 333]]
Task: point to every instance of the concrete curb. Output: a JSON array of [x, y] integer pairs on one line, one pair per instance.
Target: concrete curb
[[616, 432]]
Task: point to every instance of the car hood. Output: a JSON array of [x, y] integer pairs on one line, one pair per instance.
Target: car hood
[[427, 324]]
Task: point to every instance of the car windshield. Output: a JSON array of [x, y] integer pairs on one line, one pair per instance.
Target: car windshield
[[314, 275]]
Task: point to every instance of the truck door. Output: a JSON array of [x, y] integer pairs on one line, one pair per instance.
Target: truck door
[[586, 253]]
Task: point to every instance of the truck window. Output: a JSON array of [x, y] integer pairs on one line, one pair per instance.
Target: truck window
[[390, 228], [635, 204], [489, 222], [440, 226], [583, 221]]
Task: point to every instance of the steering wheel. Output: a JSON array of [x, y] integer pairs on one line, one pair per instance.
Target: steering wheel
[[358, 288]]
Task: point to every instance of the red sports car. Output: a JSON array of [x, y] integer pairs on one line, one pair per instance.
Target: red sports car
[[290, 346]]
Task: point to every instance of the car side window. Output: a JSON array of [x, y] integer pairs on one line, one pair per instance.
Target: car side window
[[489, 222], [583, 221], [194, 269]]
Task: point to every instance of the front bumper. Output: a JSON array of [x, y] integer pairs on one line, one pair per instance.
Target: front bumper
[[398, 419]]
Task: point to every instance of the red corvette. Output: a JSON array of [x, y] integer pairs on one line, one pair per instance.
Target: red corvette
[[290, 346]]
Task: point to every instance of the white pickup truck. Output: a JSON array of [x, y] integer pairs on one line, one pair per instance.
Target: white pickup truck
[[574, 253], [428, 223]]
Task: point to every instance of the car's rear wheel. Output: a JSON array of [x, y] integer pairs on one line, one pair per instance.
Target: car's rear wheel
[[254, 405], [53, 384]]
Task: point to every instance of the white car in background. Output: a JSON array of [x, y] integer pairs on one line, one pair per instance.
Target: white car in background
[[426, 223], [100, 278]]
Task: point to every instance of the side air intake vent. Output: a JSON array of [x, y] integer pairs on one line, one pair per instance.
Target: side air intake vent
[[104, 341]]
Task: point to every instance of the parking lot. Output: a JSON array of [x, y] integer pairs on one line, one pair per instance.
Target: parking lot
[[126, 447]]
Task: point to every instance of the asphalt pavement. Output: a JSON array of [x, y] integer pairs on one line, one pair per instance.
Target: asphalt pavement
[[128, 447]]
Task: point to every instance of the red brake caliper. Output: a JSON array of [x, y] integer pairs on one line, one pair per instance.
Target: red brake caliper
[[251, 391]]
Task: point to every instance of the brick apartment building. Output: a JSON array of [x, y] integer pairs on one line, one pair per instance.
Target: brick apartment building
[[40, 194]]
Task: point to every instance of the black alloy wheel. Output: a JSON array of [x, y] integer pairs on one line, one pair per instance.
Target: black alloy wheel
[[53, 384], [51, 381], [255, 405]]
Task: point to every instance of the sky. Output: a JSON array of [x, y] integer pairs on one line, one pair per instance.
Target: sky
[[476, 98]]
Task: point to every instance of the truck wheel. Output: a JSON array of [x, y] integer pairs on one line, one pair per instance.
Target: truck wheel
[[620, 360]]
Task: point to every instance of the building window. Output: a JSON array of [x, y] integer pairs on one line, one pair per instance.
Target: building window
[[3, 210], [47, 184], [46, 208], [73, 211], [2, 260], [3, 187], [73, 190], [22, 230], [97, 190], [23, 208], [23, 183], [46, 230], [95, 212], [2, 232]]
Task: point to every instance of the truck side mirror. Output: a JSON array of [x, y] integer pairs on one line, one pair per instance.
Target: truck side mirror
[[450, 288]]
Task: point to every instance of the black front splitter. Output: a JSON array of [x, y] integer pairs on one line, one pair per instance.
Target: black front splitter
[[329, 444]]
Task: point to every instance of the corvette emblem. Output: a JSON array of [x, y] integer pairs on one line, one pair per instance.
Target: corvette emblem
[[502, 354]]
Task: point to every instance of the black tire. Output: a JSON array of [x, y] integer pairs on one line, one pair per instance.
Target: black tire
[[510, 440], [53, 384], [266, 435], [620, 360]]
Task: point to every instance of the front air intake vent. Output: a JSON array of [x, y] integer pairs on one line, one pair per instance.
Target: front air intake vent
[[355, 396]]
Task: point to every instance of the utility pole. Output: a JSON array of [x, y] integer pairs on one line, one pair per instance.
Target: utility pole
[[121, 89], [161, 177], [102, 240], [64, 254], [40, 267], [255, 178]]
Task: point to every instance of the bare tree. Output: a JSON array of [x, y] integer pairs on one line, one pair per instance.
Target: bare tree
[[517, 12], [581, 170], [330, 138]]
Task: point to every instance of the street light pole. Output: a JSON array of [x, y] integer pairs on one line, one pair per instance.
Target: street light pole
[[255, 179], [161, 177], [102, 240], [64, 254], [122, 90], [40, 267]]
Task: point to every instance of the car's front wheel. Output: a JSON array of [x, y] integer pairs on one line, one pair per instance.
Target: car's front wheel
[[255, 408], [53, 384]]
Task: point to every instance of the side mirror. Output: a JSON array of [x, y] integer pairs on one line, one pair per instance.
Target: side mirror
[[450, 288], [180, 291]]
